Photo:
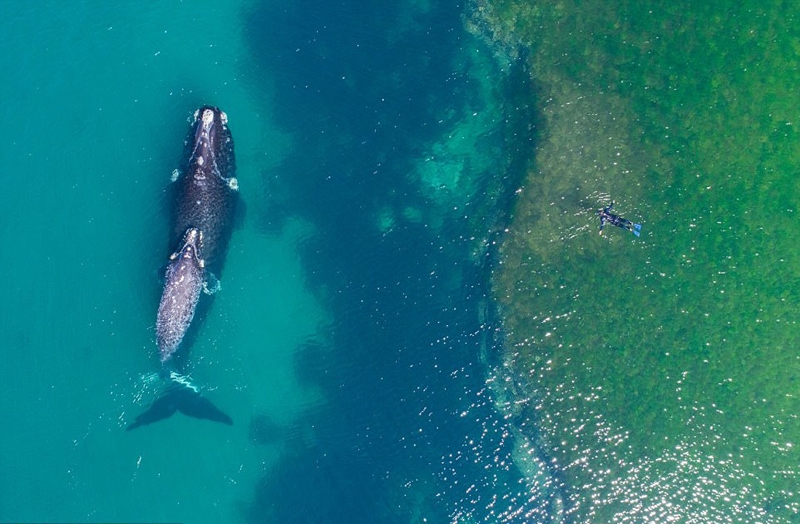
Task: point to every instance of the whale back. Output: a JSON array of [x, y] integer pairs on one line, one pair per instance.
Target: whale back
[[207, 187]]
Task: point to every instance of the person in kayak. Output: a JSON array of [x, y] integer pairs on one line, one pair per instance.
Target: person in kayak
[[615, 220]]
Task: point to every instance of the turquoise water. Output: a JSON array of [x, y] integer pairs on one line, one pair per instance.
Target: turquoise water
[[352, 338]]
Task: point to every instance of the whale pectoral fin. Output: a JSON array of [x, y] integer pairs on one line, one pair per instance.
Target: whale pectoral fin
[[211, 285]]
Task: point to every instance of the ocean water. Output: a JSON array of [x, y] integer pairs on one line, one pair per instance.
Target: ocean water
[[418, 321], [378, 149], [661, 371]]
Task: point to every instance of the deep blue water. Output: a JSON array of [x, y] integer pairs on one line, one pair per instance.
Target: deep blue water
[[409, 432], [378, 148]]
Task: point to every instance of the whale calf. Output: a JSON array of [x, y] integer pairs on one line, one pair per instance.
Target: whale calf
[[183, 283]]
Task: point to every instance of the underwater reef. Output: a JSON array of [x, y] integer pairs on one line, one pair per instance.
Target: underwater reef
[[662, 372]]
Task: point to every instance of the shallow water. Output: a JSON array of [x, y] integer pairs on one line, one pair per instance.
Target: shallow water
[[662, 369]]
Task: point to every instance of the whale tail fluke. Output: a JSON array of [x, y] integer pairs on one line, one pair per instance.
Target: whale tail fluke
[[180, 394], [637, 229]]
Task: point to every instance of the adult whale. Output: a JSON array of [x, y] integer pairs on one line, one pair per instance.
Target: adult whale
[[207, 188]]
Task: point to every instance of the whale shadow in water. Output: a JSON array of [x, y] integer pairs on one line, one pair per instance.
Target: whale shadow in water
[[187, 400]]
